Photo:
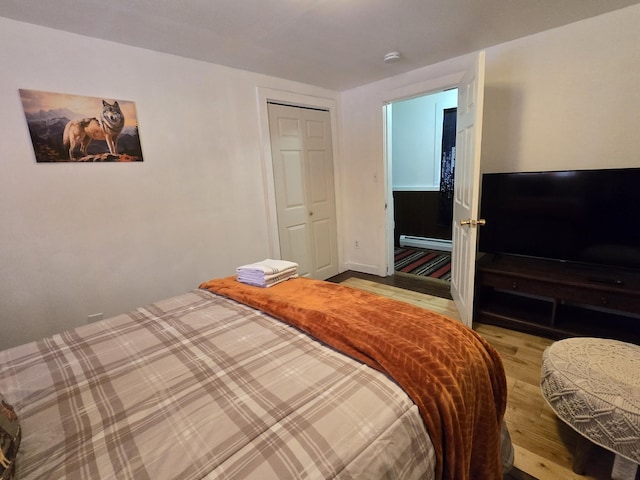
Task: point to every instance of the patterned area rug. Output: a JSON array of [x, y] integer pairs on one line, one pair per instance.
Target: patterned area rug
[[425, 263]]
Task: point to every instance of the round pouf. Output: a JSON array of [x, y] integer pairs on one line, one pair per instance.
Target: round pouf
[[593, 385]]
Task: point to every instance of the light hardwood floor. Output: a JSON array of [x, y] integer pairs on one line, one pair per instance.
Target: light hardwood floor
[[543, 444]]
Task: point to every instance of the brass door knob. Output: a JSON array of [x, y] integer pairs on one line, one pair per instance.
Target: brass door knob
[[473, 223]]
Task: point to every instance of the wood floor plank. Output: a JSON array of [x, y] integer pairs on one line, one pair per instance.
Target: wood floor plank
[[543, 468], [543, 444], [430, 302]]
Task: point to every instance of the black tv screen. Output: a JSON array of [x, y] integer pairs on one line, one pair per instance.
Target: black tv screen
[[582, 216]]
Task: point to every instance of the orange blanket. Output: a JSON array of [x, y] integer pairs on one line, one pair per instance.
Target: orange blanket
[[453, 375]]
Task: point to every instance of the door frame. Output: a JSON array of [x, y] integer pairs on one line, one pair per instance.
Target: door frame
[[265, 95], [426, 87]]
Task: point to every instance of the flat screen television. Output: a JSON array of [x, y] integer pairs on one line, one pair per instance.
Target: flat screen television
[[581, 216]]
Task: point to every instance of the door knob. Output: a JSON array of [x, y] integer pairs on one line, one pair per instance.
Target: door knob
[[310, 213], [473, 223]]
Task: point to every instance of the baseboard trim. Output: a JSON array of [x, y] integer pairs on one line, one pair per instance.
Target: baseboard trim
[[363, 268], [428, 243]]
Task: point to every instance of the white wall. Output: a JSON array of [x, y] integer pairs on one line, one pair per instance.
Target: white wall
[[565, 98], [80, 239], [416, 140]]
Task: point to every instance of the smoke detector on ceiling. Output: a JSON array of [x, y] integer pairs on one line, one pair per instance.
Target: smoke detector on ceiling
[[392, 57]]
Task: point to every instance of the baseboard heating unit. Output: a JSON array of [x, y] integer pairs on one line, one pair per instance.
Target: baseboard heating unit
[[423, 242]]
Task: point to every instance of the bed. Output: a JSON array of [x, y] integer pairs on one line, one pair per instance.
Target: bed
[[306, 379]]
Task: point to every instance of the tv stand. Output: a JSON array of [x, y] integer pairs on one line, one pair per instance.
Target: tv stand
[[606, 280], [557, 300]]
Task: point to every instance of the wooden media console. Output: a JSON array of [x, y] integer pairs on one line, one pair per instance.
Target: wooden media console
[[557, 300]]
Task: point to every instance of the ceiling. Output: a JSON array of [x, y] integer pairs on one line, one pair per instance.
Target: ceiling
[[337, 44]]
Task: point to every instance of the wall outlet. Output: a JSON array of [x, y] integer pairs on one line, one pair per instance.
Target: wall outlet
[[96, 317], [357, 244]]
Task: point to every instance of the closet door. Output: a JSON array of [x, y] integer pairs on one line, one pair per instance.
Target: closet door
[[301, 149]]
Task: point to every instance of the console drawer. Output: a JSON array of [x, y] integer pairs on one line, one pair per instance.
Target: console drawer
[[597, 297], [602, 298], [516, 284]]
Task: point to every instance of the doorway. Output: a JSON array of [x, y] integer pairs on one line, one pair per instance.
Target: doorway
[[421, 135], [470, 84]]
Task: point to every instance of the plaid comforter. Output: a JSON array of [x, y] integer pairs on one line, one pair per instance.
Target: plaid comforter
[[199, 386]]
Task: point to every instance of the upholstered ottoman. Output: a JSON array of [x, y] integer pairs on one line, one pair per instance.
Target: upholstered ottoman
[[593, 385]]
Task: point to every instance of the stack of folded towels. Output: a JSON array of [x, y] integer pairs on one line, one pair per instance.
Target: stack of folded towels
[[267, 273]]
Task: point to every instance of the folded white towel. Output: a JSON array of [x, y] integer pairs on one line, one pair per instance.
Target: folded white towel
[[268, 283], [267, 273], [268, 266], [261, 277]]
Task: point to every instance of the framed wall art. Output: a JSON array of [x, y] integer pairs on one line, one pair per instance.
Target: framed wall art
[[74, 128]]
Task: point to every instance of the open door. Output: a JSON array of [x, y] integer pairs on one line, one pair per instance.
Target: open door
[[466, 188]]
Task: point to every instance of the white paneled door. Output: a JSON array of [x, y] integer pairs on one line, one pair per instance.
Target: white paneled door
[[466, 188], [301, 149]]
